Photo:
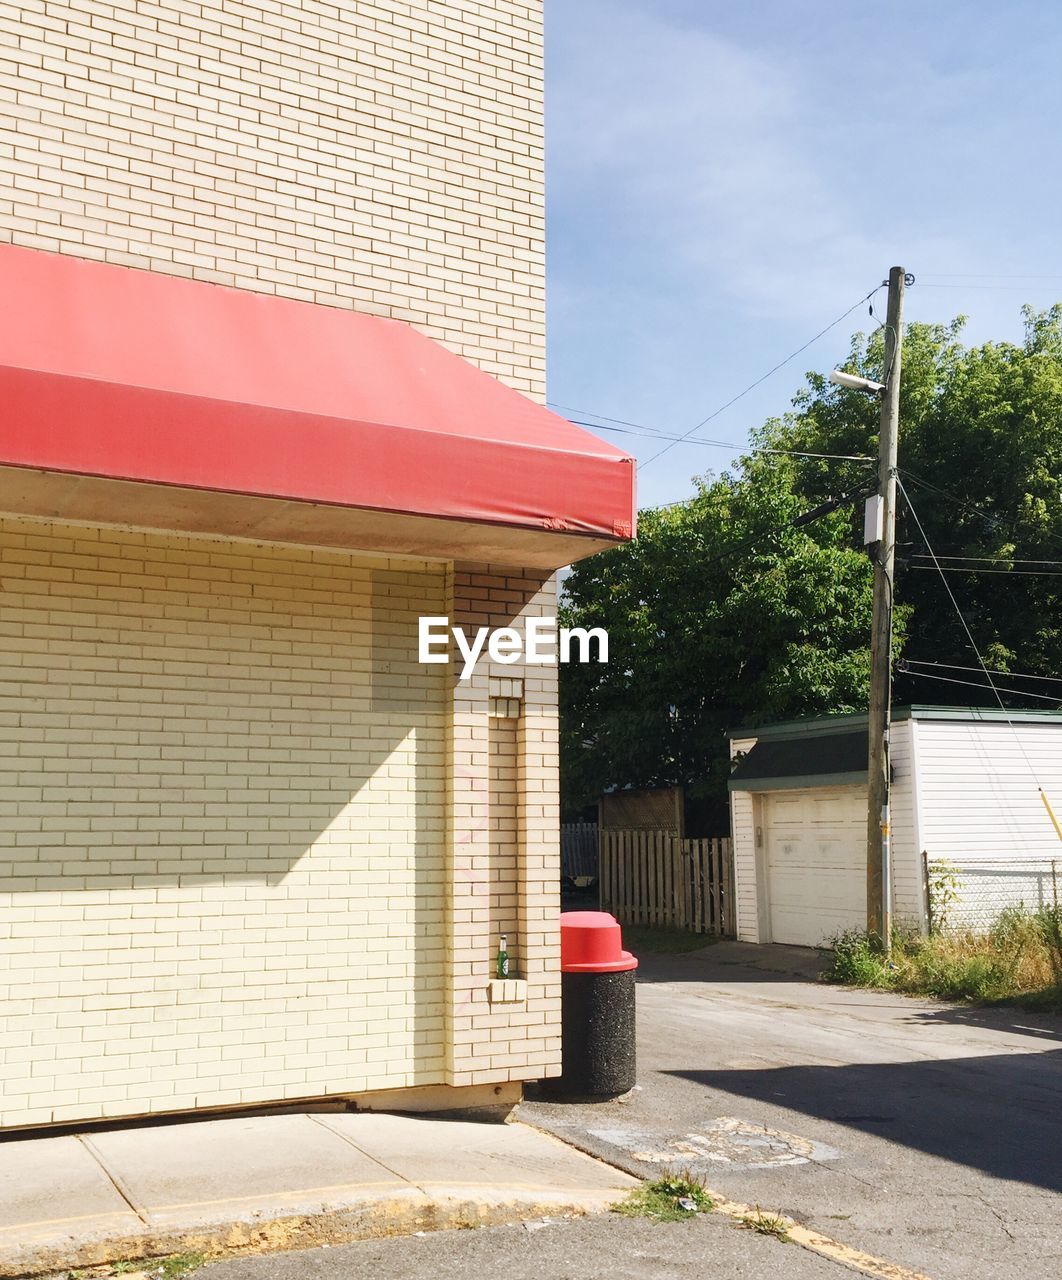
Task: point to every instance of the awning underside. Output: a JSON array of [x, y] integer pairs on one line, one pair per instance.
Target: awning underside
[[122, 375]]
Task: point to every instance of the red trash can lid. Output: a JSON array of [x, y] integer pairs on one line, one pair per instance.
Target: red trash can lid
[[592, 942]]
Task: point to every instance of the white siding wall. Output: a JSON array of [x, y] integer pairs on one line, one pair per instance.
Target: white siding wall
[[743, 834], [979, 793], [908, 893], [980, 805]]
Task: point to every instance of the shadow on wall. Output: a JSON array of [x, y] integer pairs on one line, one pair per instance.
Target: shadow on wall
[[1001, 1114], [241, 802]]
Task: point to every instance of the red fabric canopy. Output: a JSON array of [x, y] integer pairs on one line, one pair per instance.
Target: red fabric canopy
[[127, 374]]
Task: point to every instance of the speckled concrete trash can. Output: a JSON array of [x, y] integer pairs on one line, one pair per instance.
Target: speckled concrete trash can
[[598, 1020]]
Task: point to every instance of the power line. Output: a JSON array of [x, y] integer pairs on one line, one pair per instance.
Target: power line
[[724, 444], [980, 275], [983, 288], [797, 522], [589, 413], [988, 559], [996, 689], [969, 634], [753, 385], [952, 666], [968, 506], [1010, 573]]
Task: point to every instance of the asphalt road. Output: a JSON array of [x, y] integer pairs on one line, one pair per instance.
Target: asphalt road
[[606, 1247], [925, 1134]]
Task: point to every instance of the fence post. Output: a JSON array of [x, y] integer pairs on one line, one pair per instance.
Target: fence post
[[925, 890]]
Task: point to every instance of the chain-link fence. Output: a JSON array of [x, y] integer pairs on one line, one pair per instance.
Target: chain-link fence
[[970, 894]]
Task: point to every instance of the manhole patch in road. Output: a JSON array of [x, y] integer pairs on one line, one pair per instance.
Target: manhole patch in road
[[724, 1141]]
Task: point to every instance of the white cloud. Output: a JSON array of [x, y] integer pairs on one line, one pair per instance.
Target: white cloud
[[724, 162]]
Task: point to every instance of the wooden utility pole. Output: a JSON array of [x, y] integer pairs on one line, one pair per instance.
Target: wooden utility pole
[[879, 866]]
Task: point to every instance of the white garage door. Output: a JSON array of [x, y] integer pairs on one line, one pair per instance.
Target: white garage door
[[816, 863]]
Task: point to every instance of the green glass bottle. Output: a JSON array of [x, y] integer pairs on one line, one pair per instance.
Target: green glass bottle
[[503, 956]]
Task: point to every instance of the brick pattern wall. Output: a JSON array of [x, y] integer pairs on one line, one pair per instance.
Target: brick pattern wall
[[382, 156], [222, 824], [250, 848], [520, 1041]]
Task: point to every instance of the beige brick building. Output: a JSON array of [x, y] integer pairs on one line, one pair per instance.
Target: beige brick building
[[251, 847]]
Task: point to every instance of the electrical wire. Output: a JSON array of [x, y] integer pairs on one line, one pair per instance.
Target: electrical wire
[[996, 689], [980, 275], [952, 666], [723, 444], [798, 522], [1010, 573], [589, 413], [961, 502], [969, 634], [921, 555], [985, 288], [753, 385]]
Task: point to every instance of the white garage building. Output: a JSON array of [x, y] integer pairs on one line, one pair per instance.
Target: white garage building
[[966, 789]]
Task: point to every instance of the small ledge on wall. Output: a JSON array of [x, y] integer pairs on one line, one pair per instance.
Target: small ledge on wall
[[508, 991]]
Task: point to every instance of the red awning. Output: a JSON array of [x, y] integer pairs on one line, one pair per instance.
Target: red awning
[[113, 372]]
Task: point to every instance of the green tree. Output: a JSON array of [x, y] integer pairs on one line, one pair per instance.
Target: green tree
[[723, 612], [981, 460]]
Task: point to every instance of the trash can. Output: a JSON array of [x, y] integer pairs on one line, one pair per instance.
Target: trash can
[[597, 1008]]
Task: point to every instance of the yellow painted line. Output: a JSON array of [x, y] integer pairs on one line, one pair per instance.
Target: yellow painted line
[[276, 1195], [555, 1193], [815, 1242], [455, 1185], [81, 1217]]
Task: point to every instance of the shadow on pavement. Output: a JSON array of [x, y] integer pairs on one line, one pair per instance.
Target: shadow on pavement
[[1044, 1026], [730, 962], [1001, 1114]]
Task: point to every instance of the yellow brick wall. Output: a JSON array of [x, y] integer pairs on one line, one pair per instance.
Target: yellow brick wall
[[383, 156], [223, 792], [250, 848], [495, 828]]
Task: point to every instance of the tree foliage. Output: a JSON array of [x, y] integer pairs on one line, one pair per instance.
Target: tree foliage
[[723, 612]]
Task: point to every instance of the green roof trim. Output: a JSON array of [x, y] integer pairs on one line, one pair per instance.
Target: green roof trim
[[824, 759], [799, 783], [815, 725]]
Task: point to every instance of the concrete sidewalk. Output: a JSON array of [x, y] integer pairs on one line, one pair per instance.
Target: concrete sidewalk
[[277, 1182]]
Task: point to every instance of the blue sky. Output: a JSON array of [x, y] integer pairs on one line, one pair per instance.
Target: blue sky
[[725, 179]]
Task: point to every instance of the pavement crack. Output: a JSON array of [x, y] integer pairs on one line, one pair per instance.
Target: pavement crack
[[344, 1137], [998, 1217], [115, 1181]]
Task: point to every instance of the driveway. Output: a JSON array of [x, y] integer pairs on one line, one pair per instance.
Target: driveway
[[926, 1134]]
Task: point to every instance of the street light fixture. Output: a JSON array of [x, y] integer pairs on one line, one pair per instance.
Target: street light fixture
[[854, 383]]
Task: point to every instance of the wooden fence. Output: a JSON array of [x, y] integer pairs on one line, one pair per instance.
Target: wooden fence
[[654, 878], [579, 849]]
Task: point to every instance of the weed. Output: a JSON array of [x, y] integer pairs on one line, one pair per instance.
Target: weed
[[1049, 926], [767, 1224], [667, 1199], [178, 1265], [858, 960], [1019, 958], [945, 890]]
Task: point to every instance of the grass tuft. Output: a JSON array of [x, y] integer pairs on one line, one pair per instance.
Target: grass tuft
[[1019, 960], [669, 1199], [180, 1264], [766, 1224]]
